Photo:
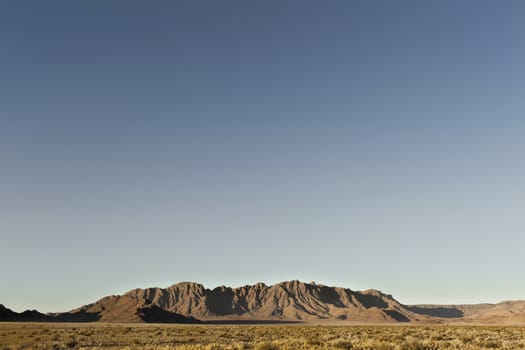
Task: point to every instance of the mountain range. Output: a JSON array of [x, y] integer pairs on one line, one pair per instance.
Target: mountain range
[[291, 301]]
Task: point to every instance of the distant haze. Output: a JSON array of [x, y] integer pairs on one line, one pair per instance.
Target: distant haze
[[362, 144]]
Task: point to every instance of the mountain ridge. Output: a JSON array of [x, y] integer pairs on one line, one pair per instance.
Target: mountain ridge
[[288, 301]]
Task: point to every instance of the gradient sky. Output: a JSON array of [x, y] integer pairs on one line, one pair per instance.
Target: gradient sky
[[364, 144]]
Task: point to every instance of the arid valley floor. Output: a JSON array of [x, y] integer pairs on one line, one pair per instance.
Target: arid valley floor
[[258, 337]]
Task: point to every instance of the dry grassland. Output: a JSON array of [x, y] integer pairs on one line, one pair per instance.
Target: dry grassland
[[257, 337]]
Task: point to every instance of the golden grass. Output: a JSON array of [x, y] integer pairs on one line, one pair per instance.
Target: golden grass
[[14, 336]]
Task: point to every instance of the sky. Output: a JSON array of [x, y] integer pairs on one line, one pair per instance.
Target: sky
[[362, 144]]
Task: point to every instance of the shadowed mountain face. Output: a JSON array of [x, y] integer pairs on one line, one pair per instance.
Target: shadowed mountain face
[[26, 316], [292, 301]]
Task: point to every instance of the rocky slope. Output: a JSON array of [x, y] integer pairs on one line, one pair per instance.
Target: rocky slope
[[124, 309]]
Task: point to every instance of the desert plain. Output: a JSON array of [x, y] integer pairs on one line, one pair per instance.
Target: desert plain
[[14, 336]]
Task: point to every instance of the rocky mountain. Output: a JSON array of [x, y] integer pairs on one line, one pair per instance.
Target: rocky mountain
[[286, 301], [291, 301], [116, 308], [126, 309]]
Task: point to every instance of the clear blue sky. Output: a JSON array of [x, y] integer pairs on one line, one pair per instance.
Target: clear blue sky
[[365, 144]]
